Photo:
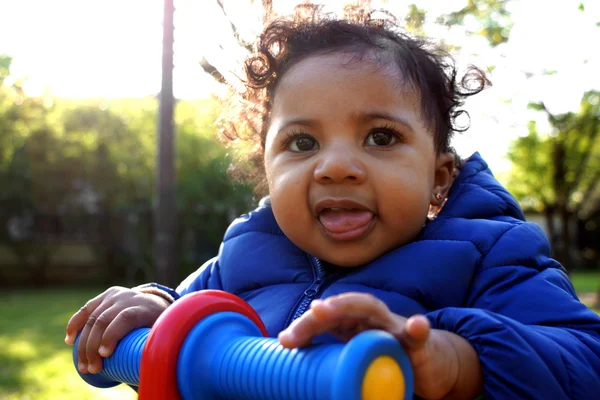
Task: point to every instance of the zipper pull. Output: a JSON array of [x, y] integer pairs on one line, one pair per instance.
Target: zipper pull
[[314, 289]]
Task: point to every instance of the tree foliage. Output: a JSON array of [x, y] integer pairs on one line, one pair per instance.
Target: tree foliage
[[561, 166], [492, 17], [558, 172], [96, 157]]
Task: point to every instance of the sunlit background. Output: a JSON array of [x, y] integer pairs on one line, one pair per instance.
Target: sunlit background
[[78, 113], [112, 49]]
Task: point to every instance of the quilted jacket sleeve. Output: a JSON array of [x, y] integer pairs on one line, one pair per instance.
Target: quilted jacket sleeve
[[534, 338], [206, 277]]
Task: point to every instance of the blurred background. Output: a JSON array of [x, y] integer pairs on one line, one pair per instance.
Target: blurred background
[[90, 92]]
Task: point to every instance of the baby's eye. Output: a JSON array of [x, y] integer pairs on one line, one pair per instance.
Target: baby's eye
[[381, 138], [302, 144]]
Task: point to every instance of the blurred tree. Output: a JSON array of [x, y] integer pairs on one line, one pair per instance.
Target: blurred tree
[[207, 199], [117, 143], [557, 173], [24, 129], [63, 160], [118, 160], [414, 19], [19, 116], [491, 17]]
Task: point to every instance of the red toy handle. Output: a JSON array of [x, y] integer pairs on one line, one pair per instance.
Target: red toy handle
[[158, 372]]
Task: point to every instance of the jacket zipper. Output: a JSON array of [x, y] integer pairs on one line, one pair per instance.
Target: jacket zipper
[[313, 291]]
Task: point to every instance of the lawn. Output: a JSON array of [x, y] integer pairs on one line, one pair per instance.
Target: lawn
[[36, 364], [587, 285], [586, 282]]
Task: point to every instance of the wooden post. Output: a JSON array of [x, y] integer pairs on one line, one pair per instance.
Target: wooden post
[[165, 212]]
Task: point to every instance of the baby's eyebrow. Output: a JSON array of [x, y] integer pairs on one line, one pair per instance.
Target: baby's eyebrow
[[369, 116], [298, 121]]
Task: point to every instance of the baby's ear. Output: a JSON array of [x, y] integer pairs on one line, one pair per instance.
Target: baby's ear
[[444, 176]]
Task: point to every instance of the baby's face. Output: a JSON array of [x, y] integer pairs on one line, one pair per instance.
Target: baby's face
[[350, 165]]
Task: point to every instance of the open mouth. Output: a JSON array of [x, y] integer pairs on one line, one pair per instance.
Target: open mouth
[[346, 223]]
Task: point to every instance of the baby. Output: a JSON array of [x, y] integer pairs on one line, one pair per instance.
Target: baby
[[373, 222]]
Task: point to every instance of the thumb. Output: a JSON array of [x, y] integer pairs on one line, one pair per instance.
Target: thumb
[[416, 332]]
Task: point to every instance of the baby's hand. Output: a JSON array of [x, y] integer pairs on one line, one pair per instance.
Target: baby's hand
[[106, 319], [433, 353]]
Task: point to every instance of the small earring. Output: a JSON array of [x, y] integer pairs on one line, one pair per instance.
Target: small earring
[[432, 213], [435, 210]]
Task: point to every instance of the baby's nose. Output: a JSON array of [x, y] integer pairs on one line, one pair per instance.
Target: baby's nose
[[339, 165]]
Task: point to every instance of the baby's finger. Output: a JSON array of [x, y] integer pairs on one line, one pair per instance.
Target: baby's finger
[[360, 306], [78, 320], [309, 325], [85, 333], [126, 321], [337, 314], [416, 332], [94, 338], [301, 331]]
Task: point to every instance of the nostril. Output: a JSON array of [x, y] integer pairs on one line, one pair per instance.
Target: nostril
[[339, 169]]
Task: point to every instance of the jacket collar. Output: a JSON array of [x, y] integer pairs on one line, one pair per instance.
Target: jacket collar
[[476, 194]]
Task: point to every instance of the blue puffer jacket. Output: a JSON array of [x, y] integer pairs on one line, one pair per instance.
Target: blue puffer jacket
[[478, 270]]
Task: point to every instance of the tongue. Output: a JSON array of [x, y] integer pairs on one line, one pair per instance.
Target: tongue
[[340, 221]]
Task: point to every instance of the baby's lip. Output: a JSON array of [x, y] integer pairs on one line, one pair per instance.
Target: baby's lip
[[344, 204]]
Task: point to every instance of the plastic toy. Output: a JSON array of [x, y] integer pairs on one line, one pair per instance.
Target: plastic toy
[[212, 345]]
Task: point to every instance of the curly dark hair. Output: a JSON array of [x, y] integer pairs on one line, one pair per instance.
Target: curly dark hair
[[427, 68]]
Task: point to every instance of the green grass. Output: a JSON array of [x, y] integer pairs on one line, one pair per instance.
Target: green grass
[[587, 285], [35, 363], [586, 282]]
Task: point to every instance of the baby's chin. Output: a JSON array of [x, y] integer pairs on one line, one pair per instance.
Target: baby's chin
[[346, 260], [348, 254]]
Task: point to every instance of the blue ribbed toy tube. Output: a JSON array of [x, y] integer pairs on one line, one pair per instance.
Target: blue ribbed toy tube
[[284, 374], [235, 363], [123, 366]]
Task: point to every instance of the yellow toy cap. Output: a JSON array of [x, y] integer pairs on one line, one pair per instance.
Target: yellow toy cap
[[383, 380]]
